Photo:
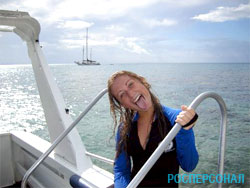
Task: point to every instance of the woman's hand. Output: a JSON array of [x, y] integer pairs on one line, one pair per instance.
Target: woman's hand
[[185, 116]]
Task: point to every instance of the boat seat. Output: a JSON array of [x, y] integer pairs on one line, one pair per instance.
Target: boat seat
[[76, 182]]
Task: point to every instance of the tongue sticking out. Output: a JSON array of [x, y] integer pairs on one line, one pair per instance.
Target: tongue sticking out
[[142, 103]]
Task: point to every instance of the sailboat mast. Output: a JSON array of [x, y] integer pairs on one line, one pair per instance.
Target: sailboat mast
[[90, 56], [87, 44], [83, 53]]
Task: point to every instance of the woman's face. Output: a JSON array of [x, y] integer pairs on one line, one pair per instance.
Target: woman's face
[[131, 93]]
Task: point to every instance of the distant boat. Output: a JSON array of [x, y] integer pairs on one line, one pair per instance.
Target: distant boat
[[87, 61]]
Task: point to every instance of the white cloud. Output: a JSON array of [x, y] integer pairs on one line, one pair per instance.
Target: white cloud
[[102, 9], [186, 3], [33, 7], [130, 44], [77, 43], [76, 40], [133, 47], [63, 23], [77, 24], [57, 10], [70, 43], [222, 14], [44, 4], [115, 28], [53, 11], [164, 22]]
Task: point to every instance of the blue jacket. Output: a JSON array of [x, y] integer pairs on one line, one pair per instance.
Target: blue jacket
[[187, 154]]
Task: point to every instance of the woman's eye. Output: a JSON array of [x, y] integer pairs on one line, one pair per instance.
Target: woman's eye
[[130, 84], [121, 95]]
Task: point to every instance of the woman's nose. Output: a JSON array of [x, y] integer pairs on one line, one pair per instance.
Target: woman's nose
[[130, 93]]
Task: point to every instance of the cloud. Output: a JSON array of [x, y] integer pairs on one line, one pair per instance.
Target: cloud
[[56, 10], [70, 43], [76, 40], [77, 43], [186, 3], [130, 44], [115, 28], [103, 9], [33, 7], [222, 14], [124, 28], [164, 22], [74, 24]]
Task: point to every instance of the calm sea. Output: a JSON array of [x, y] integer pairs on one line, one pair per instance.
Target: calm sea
[[174, 84]]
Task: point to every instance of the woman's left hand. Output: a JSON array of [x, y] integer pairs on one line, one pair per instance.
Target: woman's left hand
[[185, 116]]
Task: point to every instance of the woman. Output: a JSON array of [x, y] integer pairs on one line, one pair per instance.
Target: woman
[[143, 124]]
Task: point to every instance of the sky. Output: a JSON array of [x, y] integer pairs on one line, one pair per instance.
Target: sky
[[135, 31]]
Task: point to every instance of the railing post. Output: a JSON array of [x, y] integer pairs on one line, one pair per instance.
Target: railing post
[[160, 149]]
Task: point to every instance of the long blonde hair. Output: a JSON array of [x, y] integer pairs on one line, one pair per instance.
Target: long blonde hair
[[126, 115]]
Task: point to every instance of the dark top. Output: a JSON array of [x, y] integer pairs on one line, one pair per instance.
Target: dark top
[[167, 163], [187, 155]]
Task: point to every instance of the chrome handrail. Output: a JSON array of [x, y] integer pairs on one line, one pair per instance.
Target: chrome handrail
[[100, 158], [166, 141], [61, 137]]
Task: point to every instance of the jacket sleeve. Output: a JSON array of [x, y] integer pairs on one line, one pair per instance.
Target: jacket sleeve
[[187, 154], [122, 167]]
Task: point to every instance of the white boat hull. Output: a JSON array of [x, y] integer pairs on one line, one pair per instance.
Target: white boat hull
[[19, 150]]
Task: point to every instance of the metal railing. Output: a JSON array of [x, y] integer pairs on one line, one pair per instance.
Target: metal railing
[[159, 150], [166, 141], [100, 158], [61, 137]]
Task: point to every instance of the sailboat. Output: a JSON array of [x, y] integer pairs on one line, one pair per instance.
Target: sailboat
[[86, 61]]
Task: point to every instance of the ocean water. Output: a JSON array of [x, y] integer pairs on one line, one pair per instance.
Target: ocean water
[[174, 84]]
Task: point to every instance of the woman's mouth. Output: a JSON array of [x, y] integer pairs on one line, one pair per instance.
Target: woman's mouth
[[140, 102], [137, 98]]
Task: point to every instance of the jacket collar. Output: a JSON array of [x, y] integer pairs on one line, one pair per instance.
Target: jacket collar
[[136, 117]]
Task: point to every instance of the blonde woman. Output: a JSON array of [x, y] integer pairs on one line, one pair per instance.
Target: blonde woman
[[143, 123]]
